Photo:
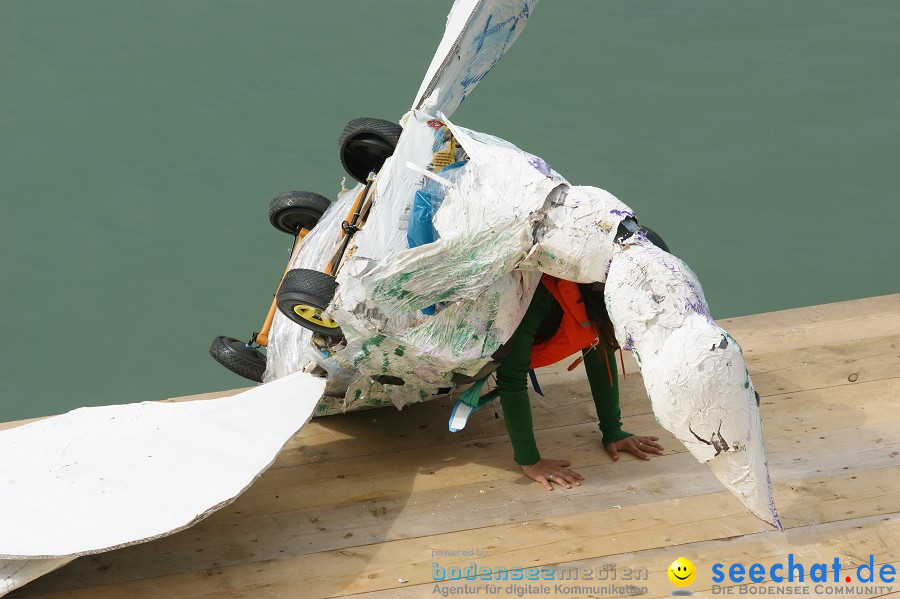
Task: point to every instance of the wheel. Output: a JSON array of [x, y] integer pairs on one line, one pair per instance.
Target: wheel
[[365, 144], [238, 357], [303, 295], [293, 210], [655, 239]]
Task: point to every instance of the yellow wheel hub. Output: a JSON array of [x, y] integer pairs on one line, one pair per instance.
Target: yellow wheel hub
[[314, 315]]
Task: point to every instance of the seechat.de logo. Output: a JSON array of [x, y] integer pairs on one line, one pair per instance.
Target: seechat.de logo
[[796, 571]]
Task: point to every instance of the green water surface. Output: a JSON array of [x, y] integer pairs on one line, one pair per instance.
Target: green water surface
[[141, 141]]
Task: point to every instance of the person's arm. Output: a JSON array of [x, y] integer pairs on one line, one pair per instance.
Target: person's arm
[[604, 382], [512, 380]]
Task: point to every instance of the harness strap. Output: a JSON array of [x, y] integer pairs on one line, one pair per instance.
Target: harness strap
[[534, 382], [469, 401]]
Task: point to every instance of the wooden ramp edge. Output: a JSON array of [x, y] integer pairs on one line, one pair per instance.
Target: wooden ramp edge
[[381, 503]]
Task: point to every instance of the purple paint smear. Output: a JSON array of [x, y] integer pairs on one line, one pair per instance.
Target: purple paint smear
[[696, 303], [539, 164]]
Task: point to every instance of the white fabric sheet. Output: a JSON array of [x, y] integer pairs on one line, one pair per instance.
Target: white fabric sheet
[[96, 479]]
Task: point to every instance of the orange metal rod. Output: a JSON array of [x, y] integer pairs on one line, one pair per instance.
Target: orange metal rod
[[331, 269], [262, 337]]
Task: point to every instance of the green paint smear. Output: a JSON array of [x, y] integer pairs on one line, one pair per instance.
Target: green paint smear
[[465, 265], [377, 340]]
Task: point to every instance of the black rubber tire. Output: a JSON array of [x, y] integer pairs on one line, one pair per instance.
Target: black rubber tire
[[365, 144], [293, 210], [238, 357], [304, 287], [655, 239]]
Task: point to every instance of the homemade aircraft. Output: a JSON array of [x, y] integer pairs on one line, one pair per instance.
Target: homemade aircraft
[[405, 288]]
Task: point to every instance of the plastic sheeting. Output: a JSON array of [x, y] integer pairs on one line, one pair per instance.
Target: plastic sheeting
[[101, 478], [505, 217], [575, 240], [470, 271], [478, 33]]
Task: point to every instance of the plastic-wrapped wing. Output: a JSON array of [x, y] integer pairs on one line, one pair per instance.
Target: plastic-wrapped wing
[[694, 370], [477, 35]]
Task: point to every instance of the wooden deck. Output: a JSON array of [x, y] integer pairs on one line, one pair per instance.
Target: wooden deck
[[356, 505]]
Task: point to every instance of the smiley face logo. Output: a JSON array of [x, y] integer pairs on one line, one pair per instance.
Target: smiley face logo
[[682, 572]]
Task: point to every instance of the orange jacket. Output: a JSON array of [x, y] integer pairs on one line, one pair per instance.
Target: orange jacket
[[575, 331]]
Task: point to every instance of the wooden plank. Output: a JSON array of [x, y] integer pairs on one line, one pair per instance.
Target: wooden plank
[[267, 512], [546, 541], [868, 465], [845, 363], [416, 425], [14, 424], [206, 396], [832, 443], [447, 463], [848, 540], [814, 325]]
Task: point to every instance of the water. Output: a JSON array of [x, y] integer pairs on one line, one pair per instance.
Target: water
[[140, 144]]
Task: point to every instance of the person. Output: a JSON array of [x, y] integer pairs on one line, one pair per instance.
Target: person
[[563, 318]]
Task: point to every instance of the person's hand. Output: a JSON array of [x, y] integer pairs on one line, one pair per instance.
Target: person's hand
[[635, 445], [548, 472]]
